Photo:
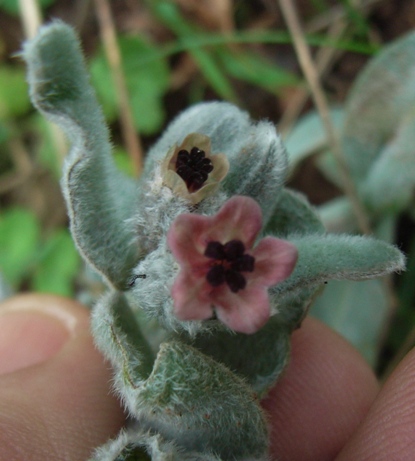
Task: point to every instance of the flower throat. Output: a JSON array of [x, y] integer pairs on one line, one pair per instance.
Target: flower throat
[[229, 260]]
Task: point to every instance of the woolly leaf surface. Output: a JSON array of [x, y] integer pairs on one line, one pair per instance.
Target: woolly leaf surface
[[378, 103], [119, 338], [390, 184], [258, 358], [293, 214], [180, 402], [332, 256], [358, 311], [134, 444], [99, 199], [308, 136]]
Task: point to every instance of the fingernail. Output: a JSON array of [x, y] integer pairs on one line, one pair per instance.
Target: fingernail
[[31, 331]]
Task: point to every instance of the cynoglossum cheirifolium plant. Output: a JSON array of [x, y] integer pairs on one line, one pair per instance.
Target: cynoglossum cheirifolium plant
[[209, 245]]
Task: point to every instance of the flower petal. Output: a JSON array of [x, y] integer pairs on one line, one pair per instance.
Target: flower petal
[[185, 239], [196, 140], [190, 300], [275, 259], [245, 312], [239, 218], [220, 168]]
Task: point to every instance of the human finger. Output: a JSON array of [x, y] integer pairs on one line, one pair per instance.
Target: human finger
[[324, 394], [55, 397]]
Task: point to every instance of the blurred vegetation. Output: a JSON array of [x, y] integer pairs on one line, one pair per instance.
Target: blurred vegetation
[[175, 53]]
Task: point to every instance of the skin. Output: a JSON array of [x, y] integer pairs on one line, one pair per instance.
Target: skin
[[56, 402]]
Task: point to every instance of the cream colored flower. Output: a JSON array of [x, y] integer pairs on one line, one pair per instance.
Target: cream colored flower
[[191, 171]]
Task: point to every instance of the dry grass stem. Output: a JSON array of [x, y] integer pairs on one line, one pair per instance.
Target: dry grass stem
[[311, 74], [30, 16], [108, 34], [325, 58]]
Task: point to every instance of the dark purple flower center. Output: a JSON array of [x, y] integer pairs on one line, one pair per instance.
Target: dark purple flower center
[[229, 261], [193, 167]]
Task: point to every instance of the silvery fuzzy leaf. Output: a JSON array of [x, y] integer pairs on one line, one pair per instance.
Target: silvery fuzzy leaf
[[390, 184], [309, 136], [378, 104], [259, 358], [134, 444], [180, 402], [118, 336], [292, 307], [338, 216], [99, 199], [259, 168], [176, 395], [333, 256], [293, 214], [152, 293], [358, 311]]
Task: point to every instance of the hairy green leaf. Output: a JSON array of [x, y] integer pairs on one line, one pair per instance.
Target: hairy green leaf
[[309, 136], [258, 358], [333, 256], [118, 336], [100, 199], [358, 311], [378, 104], [180, 401], [293, 215]]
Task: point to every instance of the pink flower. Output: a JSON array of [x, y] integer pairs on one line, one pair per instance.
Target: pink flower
[[221, 272]]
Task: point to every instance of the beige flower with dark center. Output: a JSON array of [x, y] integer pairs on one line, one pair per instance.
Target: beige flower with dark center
[[191, 171]]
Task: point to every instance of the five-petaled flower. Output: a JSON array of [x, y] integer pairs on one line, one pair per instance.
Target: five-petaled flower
[[221, 272]]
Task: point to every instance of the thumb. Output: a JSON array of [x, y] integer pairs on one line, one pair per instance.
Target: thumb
[[55, 396]]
